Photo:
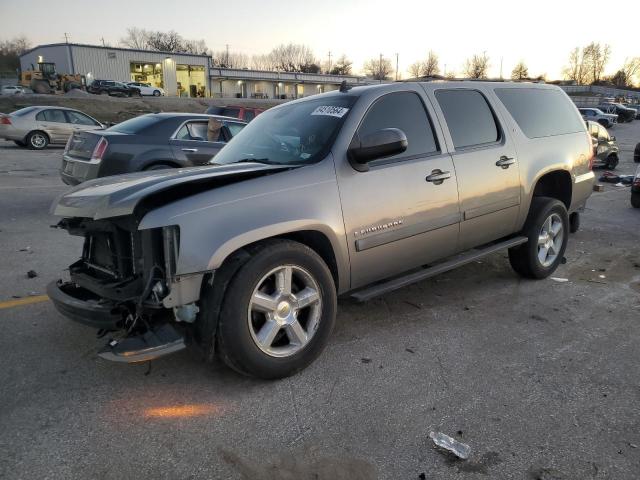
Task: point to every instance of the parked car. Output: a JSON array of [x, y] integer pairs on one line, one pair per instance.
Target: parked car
[[624, 114], [359, 191], [150, 142], [113, 88], [146, 89], [605, 146], [12, 90], [594, 114], [243, 113], [37, 127], [635, 190], [635, 107]]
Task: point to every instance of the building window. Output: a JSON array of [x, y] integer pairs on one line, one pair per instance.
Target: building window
[[149, 72]]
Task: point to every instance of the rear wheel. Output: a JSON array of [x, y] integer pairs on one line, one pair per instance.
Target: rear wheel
[[20, 143], [37, 140], [636, 154], [603, 122], [156, 93], [547, 228], [278, 311], [635, 200]]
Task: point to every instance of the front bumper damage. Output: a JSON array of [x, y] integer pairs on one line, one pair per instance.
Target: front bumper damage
[[125, 285]]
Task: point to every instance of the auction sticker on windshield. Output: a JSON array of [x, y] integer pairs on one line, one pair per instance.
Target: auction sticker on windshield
[[330, 111]]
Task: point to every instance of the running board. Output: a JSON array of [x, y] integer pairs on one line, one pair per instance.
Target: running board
[[398, 282], [142, 348]]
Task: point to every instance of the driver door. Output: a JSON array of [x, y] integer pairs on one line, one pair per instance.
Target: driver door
[[403, 212]]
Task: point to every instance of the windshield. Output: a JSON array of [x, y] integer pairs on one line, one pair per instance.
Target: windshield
[[294, 134]]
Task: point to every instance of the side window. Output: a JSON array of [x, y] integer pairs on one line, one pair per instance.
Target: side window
[[234, 128], [249, 115], [405, 111], [469, 117], [78, 118], [183, 133], [198, 130], [51, 116]]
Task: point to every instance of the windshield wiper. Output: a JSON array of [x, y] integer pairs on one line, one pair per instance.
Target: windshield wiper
[[266, 161]]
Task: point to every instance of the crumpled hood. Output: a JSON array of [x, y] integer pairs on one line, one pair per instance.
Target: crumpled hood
[[120, 194]]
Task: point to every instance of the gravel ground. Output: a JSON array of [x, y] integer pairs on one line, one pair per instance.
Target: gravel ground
[[540, 378]]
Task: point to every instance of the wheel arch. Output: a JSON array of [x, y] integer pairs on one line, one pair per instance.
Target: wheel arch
[[26, 137], [554, 184]]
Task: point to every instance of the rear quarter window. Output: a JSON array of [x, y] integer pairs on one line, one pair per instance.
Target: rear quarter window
[[541, 112]]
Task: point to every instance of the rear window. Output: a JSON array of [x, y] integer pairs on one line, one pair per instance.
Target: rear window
[[136, 125], [541, 112], [23, 111], [231, 112]]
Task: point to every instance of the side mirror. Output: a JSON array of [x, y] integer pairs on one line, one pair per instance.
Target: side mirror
[[379, 144]]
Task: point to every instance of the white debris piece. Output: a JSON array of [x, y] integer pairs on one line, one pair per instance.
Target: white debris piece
[[459, 449], [558, 279]]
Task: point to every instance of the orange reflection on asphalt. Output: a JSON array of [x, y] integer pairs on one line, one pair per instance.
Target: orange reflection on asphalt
[[183, 411]]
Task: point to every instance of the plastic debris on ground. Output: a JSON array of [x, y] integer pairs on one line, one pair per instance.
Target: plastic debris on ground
[[459, 449], [619, 180], [558, 279], [32, 274]]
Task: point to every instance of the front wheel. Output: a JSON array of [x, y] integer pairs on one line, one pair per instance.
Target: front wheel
[[546, 228], [278, 312], [635, 200], [612, 162], [156, 93]]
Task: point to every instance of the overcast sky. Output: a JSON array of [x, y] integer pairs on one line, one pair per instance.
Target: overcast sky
[[541, 32]]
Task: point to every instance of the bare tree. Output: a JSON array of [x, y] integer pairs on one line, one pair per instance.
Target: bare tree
[[576, 70], [230, 59], [520, 71], [169, 41], [631, 69], [425, 68], [136, 38], [10, 51], [294, 58], [342, 66], [378, 68], [197, 47], [262, 62], [416, 70], [595, 58], [477, 66]]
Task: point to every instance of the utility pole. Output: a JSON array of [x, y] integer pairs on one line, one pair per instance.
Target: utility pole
[[501, 68], [380, 69], [445, 70], [66, 37], [329, 62], [397, 54], [226, 62], [103, 43]]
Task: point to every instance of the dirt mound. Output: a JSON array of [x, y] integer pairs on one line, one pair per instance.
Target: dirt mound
[[76, 93]]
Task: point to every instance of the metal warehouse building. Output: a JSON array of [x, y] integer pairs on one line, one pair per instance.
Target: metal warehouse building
[[179, 74]]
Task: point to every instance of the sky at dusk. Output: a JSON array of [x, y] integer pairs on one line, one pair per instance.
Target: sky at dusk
[[541, 33]]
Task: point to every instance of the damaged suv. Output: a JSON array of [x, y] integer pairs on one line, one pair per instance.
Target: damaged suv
[[359, 191]]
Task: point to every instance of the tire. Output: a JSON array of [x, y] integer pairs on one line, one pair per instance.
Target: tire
[[574, 222], [612, 162], [604, 123], [636, 154], [37, 140], [525, 258], [103, 92], [288, 347], [158, 166], [635, 200], [156, 93], [20, 143]]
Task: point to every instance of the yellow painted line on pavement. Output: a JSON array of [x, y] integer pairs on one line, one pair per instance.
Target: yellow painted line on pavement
[[23, 301]]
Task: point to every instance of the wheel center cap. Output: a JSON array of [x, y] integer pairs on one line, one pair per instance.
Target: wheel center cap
[[283, 309]]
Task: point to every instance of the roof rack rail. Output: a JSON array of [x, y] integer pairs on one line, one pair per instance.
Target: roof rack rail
[[439, 78]]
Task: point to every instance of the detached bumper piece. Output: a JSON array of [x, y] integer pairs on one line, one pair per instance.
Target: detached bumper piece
[[84, 307], [158, 342]]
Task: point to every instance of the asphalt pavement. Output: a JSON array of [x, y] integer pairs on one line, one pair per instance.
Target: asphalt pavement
[[540, 378]]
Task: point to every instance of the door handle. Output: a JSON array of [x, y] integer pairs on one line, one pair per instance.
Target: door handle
[[438, 176], [505, 161], [191, 150]]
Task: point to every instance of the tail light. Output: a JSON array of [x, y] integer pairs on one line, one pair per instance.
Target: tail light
[[5, 121], [98, 151]]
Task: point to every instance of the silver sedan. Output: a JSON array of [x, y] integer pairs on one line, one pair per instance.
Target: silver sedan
[[38, 127]]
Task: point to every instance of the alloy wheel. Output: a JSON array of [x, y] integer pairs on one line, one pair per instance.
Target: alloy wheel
[[550, 240], [284, 311]]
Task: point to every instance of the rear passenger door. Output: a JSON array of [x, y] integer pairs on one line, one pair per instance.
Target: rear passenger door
[[54, 123], [486, 166], [402, 212], [191, 146]]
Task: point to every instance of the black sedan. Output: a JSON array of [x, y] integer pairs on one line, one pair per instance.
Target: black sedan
[[149, 142], [113, 88]]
